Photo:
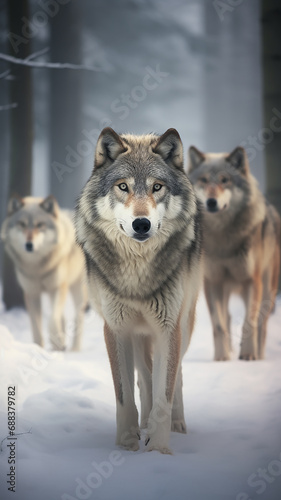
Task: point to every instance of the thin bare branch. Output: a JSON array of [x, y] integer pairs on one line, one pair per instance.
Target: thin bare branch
[[29, 58], [37, 54], [48, 65], [15, 434]]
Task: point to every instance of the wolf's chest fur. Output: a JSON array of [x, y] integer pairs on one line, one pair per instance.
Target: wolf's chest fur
[[136, 271], [231, 250]]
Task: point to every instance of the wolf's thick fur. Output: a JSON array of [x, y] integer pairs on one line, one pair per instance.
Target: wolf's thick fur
[[242, 247], [40, 240], [138, 223]]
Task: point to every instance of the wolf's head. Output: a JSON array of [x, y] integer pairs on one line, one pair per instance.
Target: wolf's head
[[138, 187], [30, 226], [222, 181]]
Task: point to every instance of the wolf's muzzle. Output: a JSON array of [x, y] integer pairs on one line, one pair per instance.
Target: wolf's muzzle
[[29, 246], [141, 226]]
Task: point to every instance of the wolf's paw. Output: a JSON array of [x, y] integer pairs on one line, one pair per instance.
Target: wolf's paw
[[248, 357], [129, 440], [224, 357], [75, 348], [57, 342], [178, 426], [153, 446], [132, 446], [222, 352], [58, 348], [164, 451], [248, 353]]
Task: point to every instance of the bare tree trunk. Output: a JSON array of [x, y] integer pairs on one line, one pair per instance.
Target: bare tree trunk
[[66, 106], [4, 133], [271, 19], [271, 33], [232, 106], [20, 135]]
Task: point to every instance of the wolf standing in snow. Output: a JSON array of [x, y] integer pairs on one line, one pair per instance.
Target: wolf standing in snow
[[40, 240], [138, 223], [242, 247]]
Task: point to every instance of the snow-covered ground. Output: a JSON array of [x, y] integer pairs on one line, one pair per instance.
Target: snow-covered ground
[[232, 450]]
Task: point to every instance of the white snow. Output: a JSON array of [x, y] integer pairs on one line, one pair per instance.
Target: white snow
[[67, 400]]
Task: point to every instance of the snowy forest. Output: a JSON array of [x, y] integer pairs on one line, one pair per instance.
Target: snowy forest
[[68, 68]]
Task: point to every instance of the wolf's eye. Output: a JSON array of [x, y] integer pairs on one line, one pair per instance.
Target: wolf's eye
[[156, 187], [40, 225], [22, 224], [203, 179], [224, 180], [123, 186]]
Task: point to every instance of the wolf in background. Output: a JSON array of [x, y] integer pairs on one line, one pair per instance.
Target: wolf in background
[[40, 240], [138, 223], [241, 244]]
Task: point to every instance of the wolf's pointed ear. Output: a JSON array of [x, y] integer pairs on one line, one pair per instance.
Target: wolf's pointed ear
[[238, 159], [195, 157], [50, 205], [15, 204], [109, 146], [169, 146]]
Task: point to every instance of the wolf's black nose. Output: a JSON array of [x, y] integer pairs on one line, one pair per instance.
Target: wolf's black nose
[[141, 226], [29, 246], [212, 204]]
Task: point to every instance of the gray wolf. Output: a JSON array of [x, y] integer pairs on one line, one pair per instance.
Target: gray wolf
[[138, 223], [242, 247], [39, 237]]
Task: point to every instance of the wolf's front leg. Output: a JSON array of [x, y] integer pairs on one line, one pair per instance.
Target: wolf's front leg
[[33, 306], [166, 360], [79, 294], [143, 363], [121, 357], [252, 295], [56, 323], [215, 297], [178, 421]]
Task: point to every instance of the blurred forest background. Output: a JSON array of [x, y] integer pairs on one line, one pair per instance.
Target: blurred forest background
[[68, 68]]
